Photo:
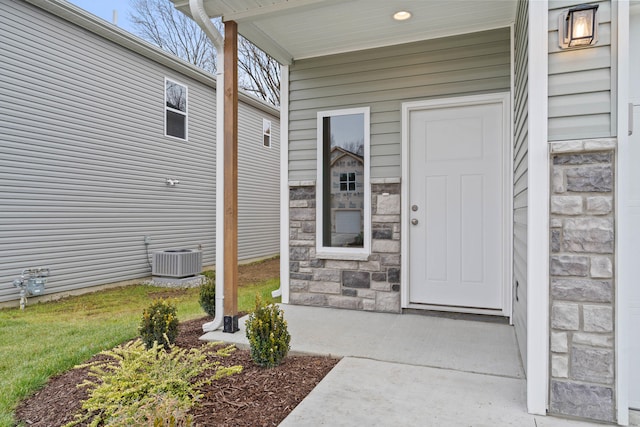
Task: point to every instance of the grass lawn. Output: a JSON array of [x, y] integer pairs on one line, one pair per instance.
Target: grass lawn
[[49, 338]]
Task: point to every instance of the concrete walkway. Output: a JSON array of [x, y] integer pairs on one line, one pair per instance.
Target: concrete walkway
[[408, 370]]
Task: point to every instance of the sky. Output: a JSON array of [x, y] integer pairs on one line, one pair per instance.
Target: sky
[[104, 9]]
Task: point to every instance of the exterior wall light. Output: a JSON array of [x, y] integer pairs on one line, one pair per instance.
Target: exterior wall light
[[402, 15], [578, 27]]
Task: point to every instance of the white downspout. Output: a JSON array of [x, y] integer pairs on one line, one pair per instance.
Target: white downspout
[[202, 19]]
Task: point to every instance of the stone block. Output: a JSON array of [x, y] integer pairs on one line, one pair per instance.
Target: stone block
[[306, 236], [293, 233], [388, 302], [366, 293], [294, 266], [569, 265], [379, 277], [298, 286], [560, 366], [327, 275], [316, 263], [318, 300], [597, 318], [582, 290], [386, 246], [555, 240], [300, 276], [299, 203], [368, 304], [295, 224], [307, 243], [590, 178], [356, 279], [565, 316], [350, 303], [388, 187], [599, 205], [582, 400], [308, 227], [395, 287], [601, 267], [582, 159], [298, 254], [566, 146], [324, 287], [566, 205], [382, 233], [380, 286], [600, 144], [302, 193], [559, 342], [350, 292], [592, 364], [588, 235], [393, 275], [302, 214], [555, 223], [383, 219], [341, 265], [593, 340], [388, 204], [369, 265], [390, 260], [558, 184]]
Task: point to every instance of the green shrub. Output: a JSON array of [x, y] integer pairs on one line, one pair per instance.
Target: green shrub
[[159, 324], [268, 335], [208, 293], [138, 386]]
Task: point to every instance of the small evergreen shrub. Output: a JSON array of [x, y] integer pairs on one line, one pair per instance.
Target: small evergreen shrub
[[155, 387], [267, 334], [208, 293], [159, 324]]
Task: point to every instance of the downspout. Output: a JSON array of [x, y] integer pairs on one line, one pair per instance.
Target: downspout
[[201, 18]]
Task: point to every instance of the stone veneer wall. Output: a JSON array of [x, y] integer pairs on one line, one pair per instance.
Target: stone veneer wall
[[582, 285], [373, 284]]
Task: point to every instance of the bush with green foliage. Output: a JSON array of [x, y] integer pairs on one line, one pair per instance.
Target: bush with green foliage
[[267, 334], [159, 324], [139, 386], [208, 293]]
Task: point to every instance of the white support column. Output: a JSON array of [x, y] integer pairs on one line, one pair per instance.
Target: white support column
[[538, 213], [284, 183]]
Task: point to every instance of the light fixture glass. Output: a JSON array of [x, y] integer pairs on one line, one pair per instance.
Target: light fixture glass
[[580, 26], [402, 15]]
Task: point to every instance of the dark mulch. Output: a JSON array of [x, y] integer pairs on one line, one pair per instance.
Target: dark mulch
[[256, 397]]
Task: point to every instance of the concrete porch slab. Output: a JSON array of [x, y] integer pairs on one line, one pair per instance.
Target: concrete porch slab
[[412, 339]]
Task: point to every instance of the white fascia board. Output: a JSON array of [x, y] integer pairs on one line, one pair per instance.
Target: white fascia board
[[538, 212]]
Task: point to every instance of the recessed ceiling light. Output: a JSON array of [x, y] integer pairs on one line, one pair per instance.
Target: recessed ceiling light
[[402, 15]]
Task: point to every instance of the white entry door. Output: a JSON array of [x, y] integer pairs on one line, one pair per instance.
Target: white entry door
[[456, 205], [634, 216]]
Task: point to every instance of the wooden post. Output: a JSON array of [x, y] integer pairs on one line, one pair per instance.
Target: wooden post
[[230, 176]]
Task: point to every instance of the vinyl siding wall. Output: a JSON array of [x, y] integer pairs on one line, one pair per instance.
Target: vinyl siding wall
[[581, 104], [384, 78], [84, 159], [520, 179]]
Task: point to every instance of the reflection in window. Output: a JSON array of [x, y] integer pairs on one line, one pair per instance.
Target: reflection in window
[[266, 133], [175, 96], [343, 194]]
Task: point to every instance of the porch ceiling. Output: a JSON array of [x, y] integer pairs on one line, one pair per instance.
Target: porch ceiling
[[296, 29]]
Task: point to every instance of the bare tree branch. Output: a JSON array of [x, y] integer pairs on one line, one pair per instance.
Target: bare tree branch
[[158, 22]]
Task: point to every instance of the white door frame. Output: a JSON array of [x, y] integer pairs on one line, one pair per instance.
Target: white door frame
[[504, 99]]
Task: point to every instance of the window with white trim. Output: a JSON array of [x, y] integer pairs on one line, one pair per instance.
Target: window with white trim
[[266, 133], [343, 200], [175, 117]]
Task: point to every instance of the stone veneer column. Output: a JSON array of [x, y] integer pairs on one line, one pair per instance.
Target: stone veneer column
[[582, 287], [372, 284]]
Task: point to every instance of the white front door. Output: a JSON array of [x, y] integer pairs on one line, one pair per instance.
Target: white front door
[[634, 216], [457, 205]]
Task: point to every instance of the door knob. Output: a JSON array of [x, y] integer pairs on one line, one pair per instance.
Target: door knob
[[414, 221]]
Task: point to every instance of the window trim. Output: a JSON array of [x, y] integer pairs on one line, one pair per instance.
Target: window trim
[[330, 252], [184, 113]]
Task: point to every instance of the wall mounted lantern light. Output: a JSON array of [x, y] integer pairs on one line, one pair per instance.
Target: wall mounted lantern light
[[578, 27]]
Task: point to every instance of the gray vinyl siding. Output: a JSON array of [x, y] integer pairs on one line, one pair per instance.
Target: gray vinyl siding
[[83, 159], [580, 81], [520, 180], [383, 79]]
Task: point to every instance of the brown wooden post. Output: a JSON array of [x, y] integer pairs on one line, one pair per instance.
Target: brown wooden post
[[230, 176]]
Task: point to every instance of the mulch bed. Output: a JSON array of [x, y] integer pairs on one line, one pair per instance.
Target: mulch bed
[[255, 397]]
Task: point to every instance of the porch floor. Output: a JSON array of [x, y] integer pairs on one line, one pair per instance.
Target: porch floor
[[407, 369]]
